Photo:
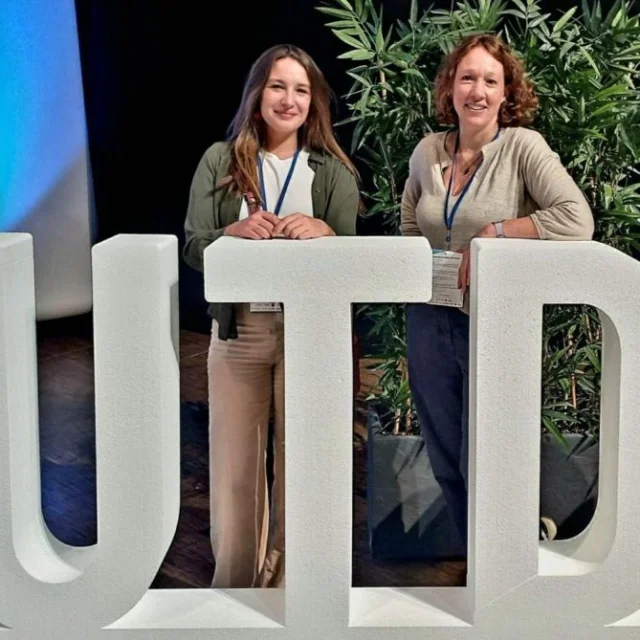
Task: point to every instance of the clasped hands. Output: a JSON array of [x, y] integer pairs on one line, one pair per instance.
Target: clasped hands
[[263, 225], [489, 231]]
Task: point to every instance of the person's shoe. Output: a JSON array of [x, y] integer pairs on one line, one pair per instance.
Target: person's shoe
[[548, 529]]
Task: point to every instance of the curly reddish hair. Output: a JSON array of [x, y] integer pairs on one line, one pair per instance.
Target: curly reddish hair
[[520, 105]]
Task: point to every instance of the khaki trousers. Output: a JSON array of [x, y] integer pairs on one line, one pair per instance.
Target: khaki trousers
[[246, 380]]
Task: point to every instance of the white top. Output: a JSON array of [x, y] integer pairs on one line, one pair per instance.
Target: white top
[[298, 196]]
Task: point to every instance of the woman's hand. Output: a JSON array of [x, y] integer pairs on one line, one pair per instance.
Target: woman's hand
[[463, 272], [258, 226], [299, 226], [464, 277]]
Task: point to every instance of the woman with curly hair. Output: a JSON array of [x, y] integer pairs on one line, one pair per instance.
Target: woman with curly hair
[[487, 177]]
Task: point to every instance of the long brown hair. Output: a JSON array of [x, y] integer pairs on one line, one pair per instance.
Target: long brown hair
[[520, 105], [248, 134]]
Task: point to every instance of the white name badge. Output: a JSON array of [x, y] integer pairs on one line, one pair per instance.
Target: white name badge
[[446, 265], [265, 307]]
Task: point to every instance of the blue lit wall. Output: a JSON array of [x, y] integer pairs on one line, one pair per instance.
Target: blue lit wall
[[44, 177], [42, 122]]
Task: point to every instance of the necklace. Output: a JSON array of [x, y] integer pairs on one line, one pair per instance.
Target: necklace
[[467, 168]]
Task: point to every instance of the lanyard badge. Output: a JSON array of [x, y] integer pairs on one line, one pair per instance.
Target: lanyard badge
[[449, 217], [283, 192]]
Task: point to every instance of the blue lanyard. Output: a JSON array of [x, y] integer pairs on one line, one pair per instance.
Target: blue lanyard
[[448, 218], [263, 193]]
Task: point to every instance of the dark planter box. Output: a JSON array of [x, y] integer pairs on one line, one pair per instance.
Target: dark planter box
[[407, 515], [568, 487]]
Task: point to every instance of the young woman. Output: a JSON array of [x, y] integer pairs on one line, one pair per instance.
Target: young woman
[[280, 173], [488, 177]]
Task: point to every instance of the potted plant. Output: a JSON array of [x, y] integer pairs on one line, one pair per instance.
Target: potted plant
[[585, 66]]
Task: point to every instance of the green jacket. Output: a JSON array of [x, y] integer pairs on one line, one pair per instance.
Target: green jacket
[[335, 200]]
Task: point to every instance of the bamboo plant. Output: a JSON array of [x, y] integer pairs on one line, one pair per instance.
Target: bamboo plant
[[585, 66]]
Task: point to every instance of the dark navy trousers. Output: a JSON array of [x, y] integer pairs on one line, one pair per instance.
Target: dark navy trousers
[[438, 359]]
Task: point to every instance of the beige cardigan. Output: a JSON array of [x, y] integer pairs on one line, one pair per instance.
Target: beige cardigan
[[520, 176]]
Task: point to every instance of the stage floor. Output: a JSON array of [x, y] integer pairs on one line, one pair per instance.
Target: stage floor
[[67, 424]]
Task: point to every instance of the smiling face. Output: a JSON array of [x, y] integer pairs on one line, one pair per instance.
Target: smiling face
[[286, 97], [478, 89]]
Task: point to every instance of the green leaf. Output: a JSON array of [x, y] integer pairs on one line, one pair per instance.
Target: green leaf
[[630, 50], [357, 54], [566, 47], [616, 20], [346, 5], [340, 24], [539, 21], [379, 44], [590, 60], [593, 358], [516, 13], [521, 6], [336, 13], [387, 39], [413, 12], [559, 25], [586, 12], [555, 432], [586, 384], [347, 39], [359, 78], [614, 90], [557, 415], [413, 72], [357, 139], [605, 108]]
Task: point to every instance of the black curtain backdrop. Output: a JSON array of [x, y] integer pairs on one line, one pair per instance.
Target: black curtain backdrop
[[162, 81]]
